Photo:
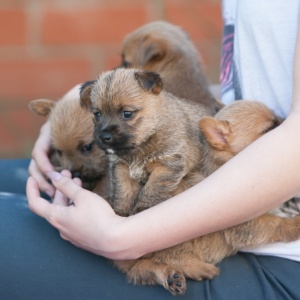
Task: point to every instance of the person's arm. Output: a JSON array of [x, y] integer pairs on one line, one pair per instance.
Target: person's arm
[[262, 176], [259, 178]]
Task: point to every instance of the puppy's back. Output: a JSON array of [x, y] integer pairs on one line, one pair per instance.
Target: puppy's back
[[166, 49]]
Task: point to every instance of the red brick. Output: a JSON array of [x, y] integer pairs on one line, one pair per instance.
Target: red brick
[[13, 27], [42, 78], [8, 140], [200, 20], [91, 26], [112, 57], [19, 129], [112, 61], [211, 56]]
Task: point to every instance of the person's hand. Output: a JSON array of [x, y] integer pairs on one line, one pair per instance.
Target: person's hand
[[82, 217], [40, 164]]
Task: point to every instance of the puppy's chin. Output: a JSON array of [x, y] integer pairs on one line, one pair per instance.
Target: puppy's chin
[[110, 151]]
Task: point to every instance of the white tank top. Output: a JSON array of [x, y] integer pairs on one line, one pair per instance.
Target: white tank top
[[261, 35], [257, 60]]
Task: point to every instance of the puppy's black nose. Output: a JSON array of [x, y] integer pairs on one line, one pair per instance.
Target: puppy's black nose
[[106, 137]]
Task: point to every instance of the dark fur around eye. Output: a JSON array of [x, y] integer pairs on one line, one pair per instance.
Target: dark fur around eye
[[59, 153], [97, 116], [87, 148]]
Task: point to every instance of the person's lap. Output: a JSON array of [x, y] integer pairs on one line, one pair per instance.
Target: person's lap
[[35, 263]]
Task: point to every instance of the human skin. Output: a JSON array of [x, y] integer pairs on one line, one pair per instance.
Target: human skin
[[40, 164], [256, 180]]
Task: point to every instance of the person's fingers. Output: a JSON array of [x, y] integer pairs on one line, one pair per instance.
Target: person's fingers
[[44, 185], [60, 198], [77, 181], [54, 214], [68, 187], [40, 163], [36, 204], [41, 158], [41, 149]]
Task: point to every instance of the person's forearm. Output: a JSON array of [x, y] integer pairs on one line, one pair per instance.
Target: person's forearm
[[296, 72], [259, 178]]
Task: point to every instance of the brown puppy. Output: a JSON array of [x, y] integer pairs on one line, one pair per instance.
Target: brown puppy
[[138, 122], [72, 140], [195, 259], [232, 129], [166, 49], [154, 135]]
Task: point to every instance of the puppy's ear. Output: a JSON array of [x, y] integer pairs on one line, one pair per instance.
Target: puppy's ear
[[149, 81], [85, 94], [41, 107], [216, 132], [150, 51]]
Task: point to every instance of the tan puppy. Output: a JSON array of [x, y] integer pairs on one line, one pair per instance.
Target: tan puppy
[[73, 145], [154, 139], [232, 129], [196, 259], [154, 134], [166, 49]]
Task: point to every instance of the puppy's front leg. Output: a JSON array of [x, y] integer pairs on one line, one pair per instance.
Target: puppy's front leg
[[124, 189], [164, 178]]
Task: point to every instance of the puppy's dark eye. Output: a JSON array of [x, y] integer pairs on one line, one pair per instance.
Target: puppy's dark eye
[[87, 148], [97, 116], [127, 114]]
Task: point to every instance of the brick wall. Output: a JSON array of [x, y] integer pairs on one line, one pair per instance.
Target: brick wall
[[46, 47]]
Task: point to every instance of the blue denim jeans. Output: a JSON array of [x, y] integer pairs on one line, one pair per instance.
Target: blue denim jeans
[[35, 263]]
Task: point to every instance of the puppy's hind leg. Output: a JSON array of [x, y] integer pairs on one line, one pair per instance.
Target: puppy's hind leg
[[146, 272], [265, 229], [194, 268]]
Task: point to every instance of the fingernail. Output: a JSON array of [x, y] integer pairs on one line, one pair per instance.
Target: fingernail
[[54, 176]]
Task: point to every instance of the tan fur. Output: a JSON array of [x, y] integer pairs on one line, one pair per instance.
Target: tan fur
[[232, 129], [72, 141], [159, 145], [236, 126], [166, 49], [158, 152]]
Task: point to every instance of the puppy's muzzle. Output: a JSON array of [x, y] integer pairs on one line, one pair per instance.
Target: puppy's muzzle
[[106, 138]]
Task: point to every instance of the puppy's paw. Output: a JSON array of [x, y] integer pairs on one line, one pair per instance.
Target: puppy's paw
[[176, 283]]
